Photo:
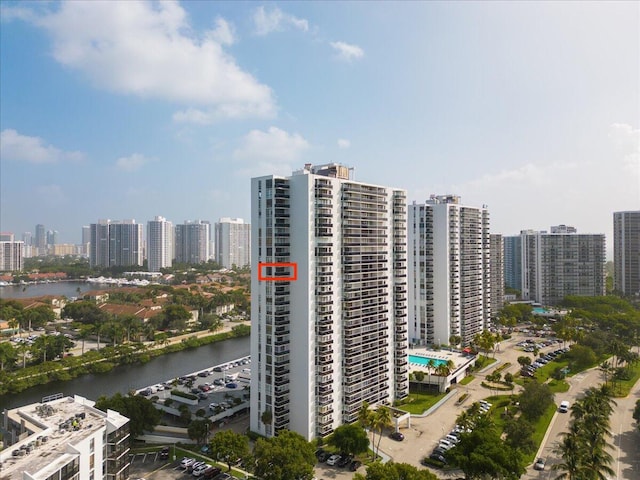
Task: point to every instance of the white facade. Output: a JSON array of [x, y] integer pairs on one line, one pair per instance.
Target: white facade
[[11, 256], [626, 252], [65, 438], [159, 244], [449, 274], [497, 274], [556, 265], [337, 336], [233, 242]]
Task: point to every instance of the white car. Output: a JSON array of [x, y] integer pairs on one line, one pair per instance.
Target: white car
[[186, 461], [333, 459], [199, 470]]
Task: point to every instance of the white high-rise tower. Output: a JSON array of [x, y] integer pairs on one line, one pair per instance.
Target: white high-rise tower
[[450, 282], [336, 336], [159, 244]]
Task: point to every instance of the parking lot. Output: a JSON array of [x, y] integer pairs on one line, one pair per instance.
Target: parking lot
[[221, 390]]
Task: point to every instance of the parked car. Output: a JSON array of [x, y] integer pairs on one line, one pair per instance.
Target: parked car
[[164, 453], [231, 385], [211, 472], [199, 470], [333, 459], [539, 465], [439, 458], [186, 461], [344, 460], [397, 436], [355, 465]]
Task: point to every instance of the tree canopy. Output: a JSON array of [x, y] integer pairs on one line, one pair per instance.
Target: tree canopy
[[287, 456], [394, 471], [350, 438], [229, 447], [140, 411]]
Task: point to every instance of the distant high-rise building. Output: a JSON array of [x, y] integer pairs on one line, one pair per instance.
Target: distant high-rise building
[[335, 337], [497, 274], [556, 265], [28, 244], [563, 229], [11, 254], [626, 252], [86, 240], [7, 237], [513, 262], [233, 242], [115, 243], [159, 244], [52, 237], [449, 282], [193, 241], [41, 240]]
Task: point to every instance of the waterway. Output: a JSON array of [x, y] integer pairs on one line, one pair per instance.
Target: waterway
[[67, 288], [132, 377]]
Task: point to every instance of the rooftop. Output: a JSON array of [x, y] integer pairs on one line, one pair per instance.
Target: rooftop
[[52, 427]]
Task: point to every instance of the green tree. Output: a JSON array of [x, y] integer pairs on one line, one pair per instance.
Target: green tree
[[524, 361], [381, 420], [636, 413], [285, 457], [394, 471], [8, 355], [140, 411], [519, 435], [535, 399], [350, 438], [482, 454], [229, 447], [581, 357], [198, 430], [365, 418]]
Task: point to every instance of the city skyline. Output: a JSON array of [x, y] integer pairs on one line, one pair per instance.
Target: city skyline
[[529, 108]]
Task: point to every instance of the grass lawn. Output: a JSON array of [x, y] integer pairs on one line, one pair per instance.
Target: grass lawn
[[467, 380], [484, 361], [418, 403], [558, 386], [540, 429], [623, 387]]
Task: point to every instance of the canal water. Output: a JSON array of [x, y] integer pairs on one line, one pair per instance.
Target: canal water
[[67, 288], [132, 377]]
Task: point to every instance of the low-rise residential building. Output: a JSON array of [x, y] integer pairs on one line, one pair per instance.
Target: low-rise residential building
[[64, 438]]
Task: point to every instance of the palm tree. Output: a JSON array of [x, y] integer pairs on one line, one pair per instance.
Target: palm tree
[[569, 449], [606, 369], [431, 364], [381, 420], [365, 417]]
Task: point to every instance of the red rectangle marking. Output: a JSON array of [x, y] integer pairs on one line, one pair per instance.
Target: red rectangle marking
[[292, 278]]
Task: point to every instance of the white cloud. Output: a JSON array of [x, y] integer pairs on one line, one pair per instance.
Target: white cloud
[[276, 21], [347, 52], [132, 163], [14, 146], [343, 143], [223, 33], [275, 144], [148, 49]]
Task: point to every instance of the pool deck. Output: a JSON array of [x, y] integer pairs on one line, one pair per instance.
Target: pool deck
[[458, 358]]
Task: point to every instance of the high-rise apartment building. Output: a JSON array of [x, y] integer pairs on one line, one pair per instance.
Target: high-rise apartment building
[[556, 265], [86, 240], [449, 274], [7, 237], [497, 274], [626, 252], [64, 438], [233, 242], [513, 262], [193, 242], [332, 333], [41, 240], [159, 244], [52, 237], [28, 244], [115, 243], [11, 255]]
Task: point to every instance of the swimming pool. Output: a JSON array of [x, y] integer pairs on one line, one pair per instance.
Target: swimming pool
[[424, 360], [540, 311]]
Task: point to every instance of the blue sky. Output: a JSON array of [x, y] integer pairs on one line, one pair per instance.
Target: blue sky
[[129, 110]]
